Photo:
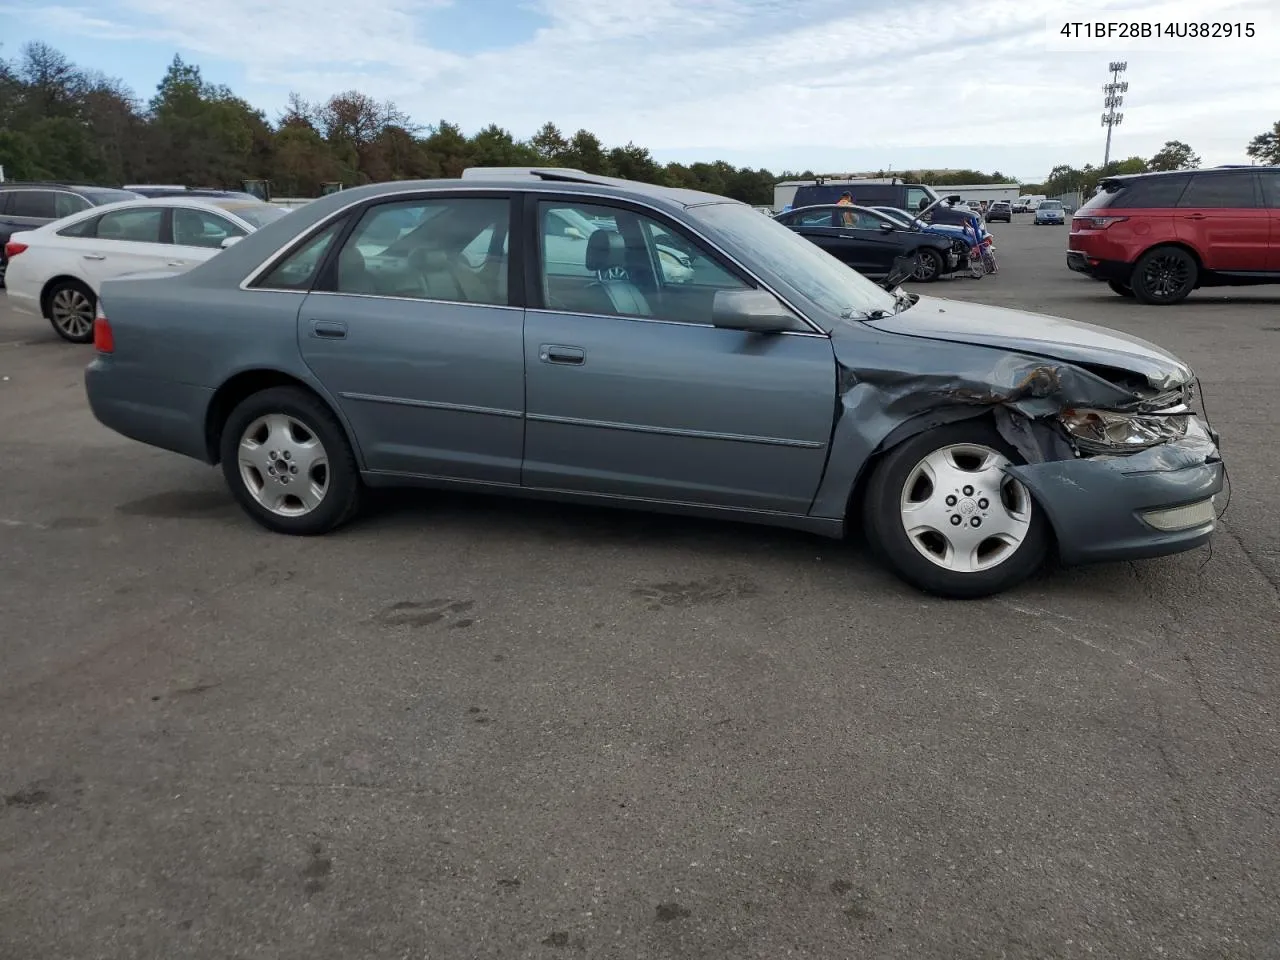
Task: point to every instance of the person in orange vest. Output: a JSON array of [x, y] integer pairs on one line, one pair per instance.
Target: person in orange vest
[[846, 200]]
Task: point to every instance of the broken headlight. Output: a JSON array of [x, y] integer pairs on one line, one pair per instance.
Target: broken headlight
[[1106, 431]]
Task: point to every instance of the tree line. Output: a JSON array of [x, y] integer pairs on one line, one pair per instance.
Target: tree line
[[60, 122]]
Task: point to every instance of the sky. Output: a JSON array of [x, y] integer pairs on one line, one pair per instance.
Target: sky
[[828, 85]]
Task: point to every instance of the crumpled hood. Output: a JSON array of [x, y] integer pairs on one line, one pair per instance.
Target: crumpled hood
[[958, 321]]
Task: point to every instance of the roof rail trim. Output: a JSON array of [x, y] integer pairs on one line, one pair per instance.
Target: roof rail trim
[[563, 174]]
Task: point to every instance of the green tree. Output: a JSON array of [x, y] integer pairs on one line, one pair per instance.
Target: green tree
[[448, 149], [1174, 155], [586, 153], [1265, 147], [495, 147], [550, 144]]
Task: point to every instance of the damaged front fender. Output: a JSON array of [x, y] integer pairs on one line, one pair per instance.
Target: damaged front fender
[[892, 387]]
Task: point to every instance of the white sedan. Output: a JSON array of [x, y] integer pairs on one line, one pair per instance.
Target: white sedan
[[57, 270]]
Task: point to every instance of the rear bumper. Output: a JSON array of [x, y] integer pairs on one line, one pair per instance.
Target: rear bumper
[[1098, 269], [1099, 506], [161, 413]]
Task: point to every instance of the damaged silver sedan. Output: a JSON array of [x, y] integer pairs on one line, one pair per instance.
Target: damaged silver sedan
[[548, 333]]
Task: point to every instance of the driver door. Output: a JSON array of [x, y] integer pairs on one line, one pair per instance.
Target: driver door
[[879, 240], [632, 393]]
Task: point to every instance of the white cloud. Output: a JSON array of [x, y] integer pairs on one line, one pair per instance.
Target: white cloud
[[759, 80]]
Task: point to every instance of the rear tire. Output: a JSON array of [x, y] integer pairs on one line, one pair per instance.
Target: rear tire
[[1164, 276], [71, 307], [922, 502], [287, 462], [1120, 287]]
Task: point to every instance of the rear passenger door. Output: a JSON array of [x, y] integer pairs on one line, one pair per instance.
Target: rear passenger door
[[1222, 216], [411, 327], [120, 242]]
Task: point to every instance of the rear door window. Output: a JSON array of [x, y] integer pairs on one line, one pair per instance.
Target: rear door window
[[1221, 191], [37, 204], [136, 225], [65, 204]]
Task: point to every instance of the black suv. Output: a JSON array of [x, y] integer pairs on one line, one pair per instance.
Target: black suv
[[25, 206]]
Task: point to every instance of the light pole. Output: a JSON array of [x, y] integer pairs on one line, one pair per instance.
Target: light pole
[[1114, 97]]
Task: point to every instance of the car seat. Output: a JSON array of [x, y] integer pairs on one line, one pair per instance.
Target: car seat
[[607, 259]]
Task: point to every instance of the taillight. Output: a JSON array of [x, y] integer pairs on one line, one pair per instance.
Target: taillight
[[1097, 223], [13, 248], [104, 340]]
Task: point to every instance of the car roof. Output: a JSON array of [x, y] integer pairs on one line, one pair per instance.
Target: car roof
[[198, 203], [570, 179], [1198, 171], [53, 185]]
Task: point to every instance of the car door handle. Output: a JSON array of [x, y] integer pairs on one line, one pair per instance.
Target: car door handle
[[555, 353], [328, 329], [1193, 216], [94, 256], [176, 263]]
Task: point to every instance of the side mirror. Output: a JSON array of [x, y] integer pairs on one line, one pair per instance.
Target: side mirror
[[754, 311], [229, 242], [574, 233]]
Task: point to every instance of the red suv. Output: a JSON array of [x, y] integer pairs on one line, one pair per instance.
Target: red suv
[[1158, 236]]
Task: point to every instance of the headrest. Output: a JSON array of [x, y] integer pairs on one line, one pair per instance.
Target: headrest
[[606, 249]]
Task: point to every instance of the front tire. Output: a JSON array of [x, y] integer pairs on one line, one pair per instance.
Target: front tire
[[287, 461], [929, 265], [1164, 275], [940, 510], [71, 309]]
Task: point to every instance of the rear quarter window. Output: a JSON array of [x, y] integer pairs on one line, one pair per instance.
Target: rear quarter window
[[1152, 194]]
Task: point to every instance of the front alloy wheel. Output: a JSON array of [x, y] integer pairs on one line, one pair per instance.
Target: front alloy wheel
[[928, 265], [961, 512], [944, 512]]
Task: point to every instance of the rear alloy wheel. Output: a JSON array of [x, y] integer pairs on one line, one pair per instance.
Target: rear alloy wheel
[[71, 310], [945, 515], [1164, 275], [1120, 287], [288, 463], [928, 266]]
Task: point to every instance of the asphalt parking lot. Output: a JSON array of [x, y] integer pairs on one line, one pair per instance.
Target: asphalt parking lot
[[465, 727]]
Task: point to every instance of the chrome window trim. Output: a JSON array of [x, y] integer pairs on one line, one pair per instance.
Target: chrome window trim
[[543, 187], [384, 296], [671, 323]]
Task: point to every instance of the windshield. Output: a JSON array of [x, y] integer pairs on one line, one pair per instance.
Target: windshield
[[810, 271], [254, 213], [99, 197]]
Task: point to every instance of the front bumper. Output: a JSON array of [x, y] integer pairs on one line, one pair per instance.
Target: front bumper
[[1097, 504]]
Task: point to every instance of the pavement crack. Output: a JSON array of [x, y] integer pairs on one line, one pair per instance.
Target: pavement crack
[[1197, 684], [1271, 580], [1173, 774]]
